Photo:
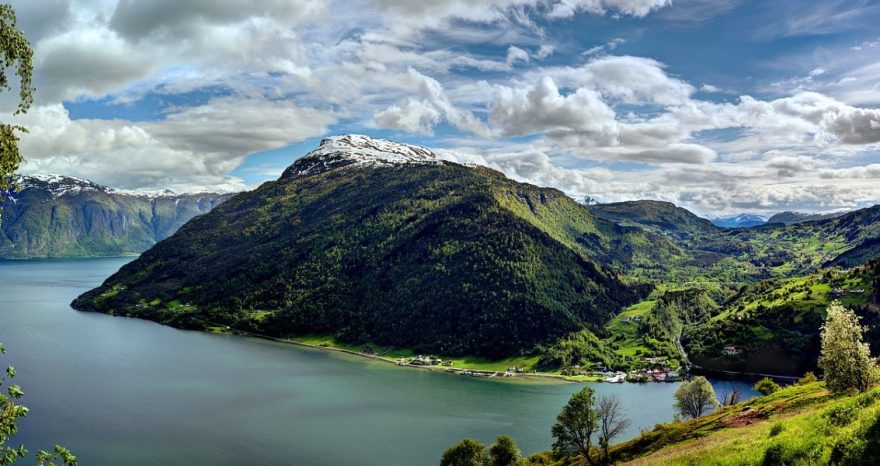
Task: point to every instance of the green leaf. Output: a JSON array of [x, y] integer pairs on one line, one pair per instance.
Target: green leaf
[[15, 391]]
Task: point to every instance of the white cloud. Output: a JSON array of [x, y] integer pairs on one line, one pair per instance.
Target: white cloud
[[415, 116], [194, 148], [515, 54], [637, 8]]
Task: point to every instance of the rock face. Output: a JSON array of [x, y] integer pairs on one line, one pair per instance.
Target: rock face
[[377, 241], [60, 216]]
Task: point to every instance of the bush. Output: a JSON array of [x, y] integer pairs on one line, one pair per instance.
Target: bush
[[766, 386], [776, 429], [468, 452], [809, 377]]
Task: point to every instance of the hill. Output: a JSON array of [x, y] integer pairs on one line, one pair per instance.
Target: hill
[[378, 241], [773, 326], [790, 217], [655, 216], [59, 216], [797, 425]]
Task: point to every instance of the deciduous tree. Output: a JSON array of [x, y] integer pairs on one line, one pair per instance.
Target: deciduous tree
[[611, 422], [695, 398], [845, 359], [468, 452], [576, 425], [504, 452], [16, 55]]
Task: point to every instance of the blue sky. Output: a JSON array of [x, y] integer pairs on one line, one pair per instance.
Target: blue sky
[[722, 106]]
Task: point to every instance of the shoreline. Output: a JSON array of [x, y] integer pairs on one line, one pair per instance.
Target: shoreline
[[532, 377]]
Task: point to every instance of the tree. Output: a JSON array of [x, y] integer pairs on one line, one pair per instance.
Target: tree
[[845, 359], [766, 386], [729, 395], [504, 452], [695, 397], [576, 425], [15, 53], [10, 412], [468, 452], [611, 422]]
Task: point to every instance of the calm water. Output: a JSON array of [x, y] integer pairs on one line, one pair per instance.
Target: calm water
[[125, 391]]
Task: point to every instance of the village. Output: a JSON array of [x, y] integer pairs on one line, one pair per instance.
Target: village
[[652, 369]]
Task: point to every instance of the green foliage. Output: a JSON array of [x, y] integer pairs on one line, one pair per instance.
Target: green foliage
[[809, 377], [695, 397], [15, 53], [504, 452], [766, 386], [845, 359], [576, 425], [10, 412], [776, 323], [468, 452], [777, 429]]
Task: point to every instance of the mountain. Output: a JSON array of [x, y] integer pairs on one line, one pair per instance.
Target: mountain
[[790, 217], [655, 216], [740, 221], [375, 241], [60, 216]]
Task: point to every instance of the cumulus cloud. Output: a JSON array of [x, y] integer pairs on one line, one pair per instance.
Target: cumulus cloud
[[415, 116], [194, 148]]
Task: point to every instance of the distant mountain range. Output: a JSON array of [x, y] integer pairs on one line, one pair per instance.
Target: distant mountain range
[[62, 216], [740, 221]]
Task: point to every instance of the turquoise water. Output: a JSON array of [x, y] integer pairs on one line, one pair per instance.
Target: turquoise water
[[125, 391]]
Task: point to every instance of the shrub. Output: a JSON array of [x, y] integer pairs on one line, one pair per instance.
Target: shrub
[[766, 386], [776, 429], [809, 377]]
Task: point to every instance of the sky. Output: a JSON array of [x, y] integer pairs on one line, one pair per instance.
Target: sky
[[720, 106]]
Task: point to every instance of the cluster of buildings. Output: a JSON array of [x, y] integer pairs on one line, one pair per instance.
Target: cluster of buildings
[[627, 320], [653, 369], [842, 292], [424, 361]]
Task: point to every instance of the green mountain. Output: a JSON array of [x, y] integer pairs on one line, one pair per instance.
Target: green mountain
[[656, 216], [377, 241], [790, 217], [58, 216]]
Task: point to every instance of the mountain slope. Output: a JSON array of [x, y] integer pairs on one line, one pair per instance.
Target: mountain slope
[[377, 241], [58, 216], [790, 217], [656, 216]]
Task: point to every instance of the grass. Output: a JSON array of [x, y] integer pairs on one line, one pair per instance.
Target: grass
[[625, 335], [797, 425]]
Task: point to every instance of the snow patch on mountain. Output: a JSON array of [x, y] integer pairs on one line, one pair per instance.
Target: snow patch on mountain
[[359, 150]]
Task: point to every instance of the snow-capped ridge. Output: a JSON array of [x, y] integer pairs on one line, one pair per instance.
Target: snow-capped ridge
[[360, 150]]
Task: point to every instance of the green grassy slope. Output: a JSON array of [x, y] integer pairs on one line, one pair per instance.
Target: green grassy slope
[[776, 322], [797, 425]]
